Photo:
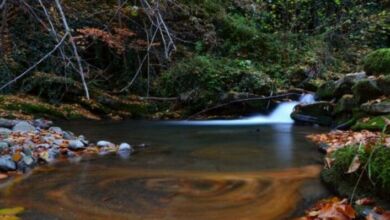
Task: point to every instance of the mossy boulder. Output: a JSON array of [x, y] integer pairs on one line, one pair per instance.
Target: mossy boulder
[[366, 90], [378, 62], [346, 104], [326, 91], [372, 123], [317, 113]]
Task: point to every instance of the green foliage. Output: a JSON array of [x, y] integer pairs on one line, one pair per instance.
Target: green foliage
[[378, 62], [375, 123], [206, 78]]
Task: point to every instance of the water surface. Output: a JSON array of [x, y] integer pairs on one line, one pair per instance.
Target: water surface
[[186, 172]]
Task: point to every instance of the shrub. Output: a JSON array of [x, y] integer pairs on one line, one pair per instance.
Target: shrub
[[378, 62]]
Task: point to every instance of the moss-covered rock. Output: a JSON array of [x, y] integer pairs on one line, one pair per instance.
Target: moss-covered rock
[[377, 107], [366, 90], [326, 91], [378, 62], [373, 123], [346, 104], [384, 84]]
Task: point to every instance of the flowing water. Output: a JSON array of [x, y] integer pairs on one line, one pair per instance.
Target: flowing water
[[205, 170]]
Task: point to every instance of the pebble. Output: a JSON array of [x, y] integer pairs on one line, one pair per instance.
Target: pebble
[[105, 144], [6, 163], [3, 145], [76, 145], [6, 123], [42, 123], [4, 132], [23, 126], [125, 146], [56, 130]]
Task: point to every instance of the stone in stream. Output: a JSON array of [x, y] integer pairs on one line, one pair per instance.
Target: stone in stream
[[68, 135], [76, 145], [105, 144], [125, 150], [56, 130], [23, 126], [42, 123], [3, 146], [4, 132], [6, 123], [7, 164]]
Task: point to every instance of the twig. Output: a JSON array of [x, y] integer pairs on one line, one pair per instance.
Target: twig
[[242, 100], [36, 64]]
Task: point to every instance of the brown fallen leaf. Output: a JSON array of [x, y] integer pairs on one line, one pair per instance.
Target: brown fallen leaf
[[355, 164]]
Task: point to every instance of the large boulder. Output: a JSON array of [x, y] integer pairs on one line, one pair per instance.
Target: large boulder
[[378, 62], [366, 90], [7, 123], [377, 108], [326, 91], [316, 113]]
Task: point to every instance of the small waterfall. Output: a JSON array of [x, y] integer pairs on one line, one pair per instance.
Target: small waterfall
[[281, 115]]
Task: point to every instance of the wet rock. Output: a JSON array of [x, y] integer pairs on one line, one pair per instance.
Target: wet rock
[[7, 164], [3, 146], [42, 123], [125, 150], [82, 139], [382, 107], [316, 113], [68, 135], [366, 90], [344, 85], [23, 126], [56, 130], [54, 153], [125, 146], [105, 144], [76, 145], [6, 123]]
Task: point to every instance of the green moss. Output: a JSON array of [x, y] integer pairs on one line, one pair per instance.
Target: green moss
[[35, 109], [375, 179], [378, 62], [326, 91], [376, 123], [365, 90]]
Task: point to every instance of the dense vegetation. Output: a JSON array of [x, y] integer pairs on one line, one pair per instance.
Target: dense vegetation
[[197, 49]]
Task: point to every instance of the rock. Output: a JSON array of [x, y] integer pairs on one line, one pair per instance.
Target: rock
[[56, 130], [42, 123], [316, 113], [68, 135], [54, 153], [384, 84], [377, 108], [3, 146], [28, 160], [366, 90], [344, 85], [326, 91], [82, 139], [105, 144], [125, 146], [23, 126], [76, 145], [3, 176], [6, 123], [4, 133], [7, 164], [346, 104]]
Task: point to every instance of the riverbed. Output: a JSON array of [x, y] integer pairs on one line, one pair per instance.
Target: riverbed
[[180, 171]]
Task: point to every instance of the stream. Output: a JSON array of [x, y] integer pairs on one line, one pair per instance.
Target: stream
[[187, 171]]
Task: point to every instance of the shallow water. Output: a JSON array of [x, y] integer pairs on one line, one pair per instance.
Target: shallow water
[[186, 172]]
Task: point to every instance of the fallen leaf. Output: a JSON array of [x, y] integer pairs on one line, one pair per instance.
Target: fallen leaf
[[355, 164]]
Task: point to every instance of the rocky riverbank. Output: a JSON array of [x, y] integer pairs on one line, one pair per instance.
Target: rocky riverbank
[[28, 144]]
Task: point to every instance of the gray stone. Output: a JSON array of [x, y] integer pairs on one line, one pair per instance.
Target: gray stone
[[56, 130], [42, 123], [366, 90], [105, 144], [76, 145], [377, 107], [28, 160], [68, 135], [346, 104], [4, 132], [317, 113], [3, 145], [54, 153], [7, 164], [125, 146], [6, 123], [23, 126]]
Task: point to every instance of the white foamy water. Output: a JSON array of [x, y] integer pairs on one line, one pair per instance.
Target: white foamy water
[[281, 115]]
